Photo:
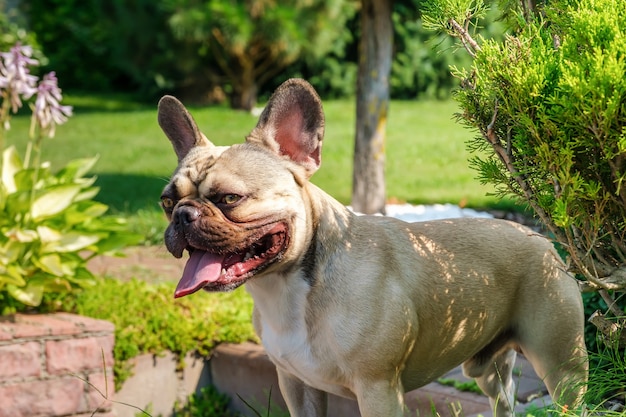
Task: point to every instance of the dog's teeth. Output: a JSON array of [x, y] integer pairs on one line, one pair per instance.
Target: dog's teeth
[[223, 271], [249, 255]]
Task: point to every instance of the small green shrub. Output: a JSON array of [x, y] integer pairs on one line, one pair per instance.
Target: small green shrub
[[149, 320], [547, 103], [209, 402]]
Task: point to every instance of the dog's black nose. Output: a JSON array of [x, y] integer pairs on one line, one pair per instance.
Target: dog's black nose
[[186, 215]]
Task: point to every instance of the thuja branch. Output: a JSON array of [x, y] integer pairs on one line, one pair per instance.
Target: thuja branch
[[506, 157], [470, 45]]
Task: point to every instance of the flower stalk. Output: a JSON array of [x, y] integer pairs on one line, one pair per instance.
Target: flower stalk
[[17, 85]]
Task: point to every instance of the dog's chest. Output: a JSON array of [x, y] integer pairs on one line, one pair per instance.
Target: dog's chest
[[292, 352], [288, 342]]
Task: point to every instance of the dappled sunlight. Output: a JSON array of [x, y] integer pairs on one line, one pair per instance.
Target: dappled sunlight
[[477, 281]]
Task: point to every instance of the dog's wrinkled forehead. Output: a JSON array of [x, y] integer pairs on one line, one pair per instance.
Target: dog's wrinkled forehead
[[193, 169], [245, 169], [198, 162]]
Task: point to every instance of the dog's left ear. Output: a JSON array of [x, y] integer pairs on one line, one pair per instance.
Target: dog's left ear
[[292, 124]]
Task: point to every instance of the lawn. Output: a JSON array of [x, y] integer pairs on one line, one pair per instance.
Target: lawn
[[426, 159]]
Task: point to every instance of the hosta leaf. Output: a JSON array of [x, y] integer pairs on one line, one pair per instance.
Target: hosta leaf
[[59, 285], [11, 164], [54, 201], [52, 264], [7, 278], [84, 211], [47, 234], [95, 209], [23, 236], [77, 168], [83, 278], [71, 242], [23, 180], [11, 252], [88, 193], [30, 295]]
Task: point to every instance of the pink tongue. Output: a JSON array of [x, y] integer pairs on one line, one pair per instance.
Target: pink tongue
[[201, 268]]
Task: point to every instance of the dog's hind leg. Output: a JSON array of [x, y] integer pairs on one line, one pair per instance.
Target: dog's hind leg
[[560, 360], [302, 400], [382, 397], [494, 375]]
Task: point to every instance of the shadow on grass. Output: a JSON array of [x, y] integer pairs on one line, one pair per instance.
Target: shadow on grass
[[130, 193], [108, 103]]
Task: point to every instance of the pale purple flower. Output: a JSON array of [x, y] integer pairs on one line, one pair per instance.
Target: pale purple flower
[[16, 82], [48, 111]]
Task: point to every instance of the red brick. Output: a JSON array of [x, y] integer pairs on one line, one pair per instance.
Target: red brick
[[20, 360], [53, 326], [57, 397], [105, 345], [87, 323], [100, 392], [76, 355], [6, 332], [25, 330]]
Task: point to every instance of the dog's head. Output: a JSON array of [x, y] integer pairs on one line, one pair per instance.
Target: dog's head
[[239, 210]]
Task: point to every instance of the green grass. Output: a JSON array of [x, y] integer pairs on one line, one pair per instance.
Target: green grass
[[426, 159]]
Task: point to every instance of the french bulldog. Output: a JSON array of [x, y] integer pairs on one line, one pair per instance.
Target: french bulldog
[[365, 307]]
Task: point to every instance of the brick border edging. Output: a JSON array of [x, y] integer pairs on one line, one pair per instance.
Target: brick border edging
[[55, 364]]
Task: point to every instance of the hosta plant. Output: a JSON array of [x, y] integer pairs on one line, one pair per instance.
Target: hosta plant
[[50, 226]]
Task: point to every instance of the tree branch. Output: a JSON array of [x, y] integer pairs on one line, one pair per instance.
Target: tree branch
[[611, 329], [466, 39], [506, 157]]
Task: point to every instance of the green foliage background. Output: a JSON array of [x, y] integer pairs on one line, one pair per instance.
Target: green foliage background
[[115, 45]]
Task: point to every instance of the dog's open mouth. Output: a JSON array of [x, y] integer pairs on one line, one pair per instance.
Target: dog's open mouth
[[218, 272]]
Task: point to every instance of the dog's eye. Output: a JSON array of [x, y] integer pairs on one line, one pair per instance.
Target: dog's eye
[[167, 203], [230, 199]]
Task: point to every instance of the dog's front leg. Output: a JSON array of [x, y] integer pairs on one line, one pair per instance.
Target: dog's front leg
[[302, 400], [380, 398]]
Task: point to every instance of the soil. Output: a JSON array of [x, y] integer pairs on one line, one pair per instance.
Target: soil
[[148, 263]]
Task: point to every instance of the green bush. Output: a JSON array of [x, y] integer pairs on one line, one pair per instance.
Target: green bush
[[419, 68], [106, 45], [149, 320], [548, 104], [103, 46]]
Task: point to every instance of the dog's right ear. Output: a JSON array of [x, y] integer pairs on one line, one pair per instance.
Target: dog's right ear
[[179, 126], [292, 124]]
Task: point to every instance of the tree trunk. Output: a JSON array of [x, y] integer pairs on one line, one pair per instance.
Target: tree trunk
[[244, 96], [245, 89], [375, 54]]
